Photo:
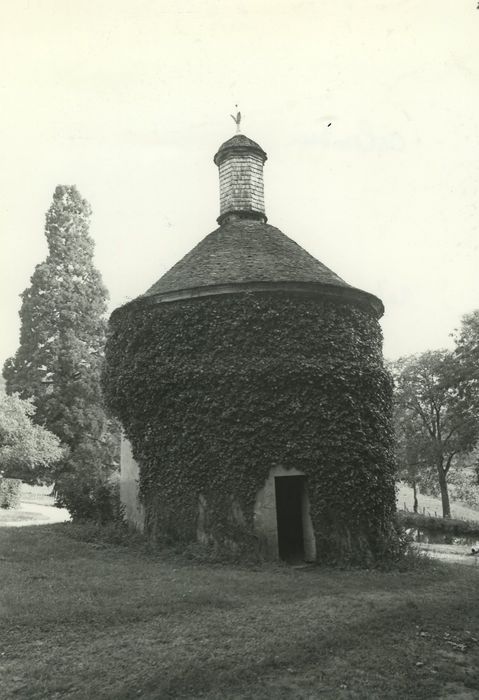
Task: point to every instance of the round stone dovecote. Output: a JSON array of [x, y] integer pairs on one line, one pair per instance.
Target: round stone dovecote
[[250, 384]]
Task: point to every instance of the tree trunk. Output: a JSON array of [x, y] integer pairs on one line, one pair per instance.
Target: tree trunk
[[414, 490], [446, 508]]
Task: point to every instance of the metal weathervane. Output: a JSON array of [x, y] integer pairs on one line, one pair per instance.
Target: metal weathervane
[[237, 120]]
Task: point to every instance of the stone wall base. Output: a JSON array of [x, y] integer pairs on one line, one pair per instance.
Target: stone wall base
[[129, 487], [265, 512]]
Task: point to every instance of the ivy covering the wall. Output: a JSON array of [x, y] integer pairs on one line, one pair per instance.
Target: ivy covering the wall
[[212, 393]]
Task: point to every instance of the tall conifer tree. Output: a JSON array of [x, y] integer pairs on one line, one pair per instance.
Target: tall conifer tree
[[59, 360]]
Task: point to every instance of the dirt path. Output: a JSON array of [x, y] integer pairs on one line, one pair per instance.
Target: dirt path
[[32, 514]]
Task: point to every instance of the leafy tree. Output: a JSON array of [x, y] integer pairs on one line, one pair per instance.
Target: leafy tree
[[467, 346], [464, 481], [410, 451], [467, 356], [27, 451], [59, 360], [436, 420]]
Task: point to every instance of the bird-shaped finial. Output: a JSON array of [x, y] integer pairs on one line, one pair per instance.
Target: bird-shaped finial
[[237, 120]]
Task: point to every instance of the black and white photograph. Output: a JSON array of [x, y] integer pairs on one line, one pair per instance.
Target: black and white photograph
[[239, 349]]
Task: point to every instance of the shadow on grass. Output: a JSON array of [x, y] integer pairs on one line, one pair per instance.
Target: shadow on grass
[[402, 652], [116, 622]]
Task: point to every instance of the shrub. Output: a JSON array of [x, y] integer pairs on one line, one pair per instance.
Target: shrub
[[87, 484], [447, 526], [9, 493], [96, 499]]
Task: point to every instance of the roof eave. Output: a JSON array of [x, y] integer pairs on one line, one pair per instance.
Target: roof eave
[[315, 289]]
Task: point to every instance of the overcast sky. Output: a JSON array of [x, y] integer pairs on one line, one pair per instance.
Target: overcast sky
[[130, 99]]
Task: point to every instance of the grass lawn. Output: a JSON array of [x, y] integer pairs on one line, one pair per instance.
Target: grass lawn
[[433, 505], [90, 621]]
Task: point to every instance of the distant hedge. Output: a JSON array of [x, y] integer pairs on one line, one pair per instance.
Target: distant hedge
[[10, 493], [213, 393], [430, 524]]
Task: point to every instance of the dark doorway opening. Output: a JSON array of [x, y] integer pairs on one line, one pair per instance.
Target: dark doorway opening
[[289, 515]]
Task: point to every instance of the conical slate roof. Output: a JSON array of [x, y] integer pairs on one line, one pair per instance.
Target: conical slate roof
[[244, 251], [249, 255]]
